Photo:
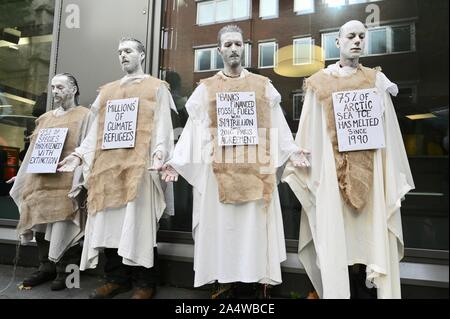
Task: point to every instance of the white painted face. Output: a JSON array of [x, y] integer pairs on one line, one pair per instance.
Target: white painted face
[[231, 48], [352, 40], [129, 56], [62, 91]]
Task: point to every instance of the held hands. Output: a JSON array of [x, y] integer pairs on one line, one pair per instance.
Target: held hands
[[11, 180], [69, 163], [299, 159], [169, 174], [157, 162]]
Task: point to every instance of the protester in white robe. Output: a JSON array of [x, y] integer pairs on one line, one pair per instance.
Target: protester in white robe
[[334, 236], [54, 239], [132, 228], [233, 242]]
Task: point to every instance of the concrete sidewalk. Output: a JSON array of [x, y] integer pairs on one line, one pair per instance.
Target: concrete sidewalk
[[88, 282]]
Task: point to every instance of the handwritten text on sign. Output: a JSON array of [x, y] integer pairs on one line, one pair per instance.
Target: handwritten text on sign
[[47, 150], [120, 123], [236, 118], [359, 122]]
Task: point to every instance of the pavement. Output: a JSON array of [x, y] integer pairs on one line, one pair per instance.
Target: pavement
[[88, 282]]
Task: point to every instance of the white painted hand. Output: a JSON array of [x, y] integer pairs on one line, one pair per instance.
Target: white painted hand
[[169, 174], [299, 159], [157, 162], [11, 180], [69, 163]]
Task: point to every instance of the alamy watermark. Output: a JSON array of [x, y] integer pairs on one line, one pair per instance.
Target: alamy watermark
[[73, 16], [73, 277]]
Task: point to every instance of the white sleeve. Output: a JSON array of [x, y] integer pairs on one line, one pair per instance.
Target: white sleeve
[[195, 104], [385, 85], [162, 135], [280, 129], [86, 150], [88, 144], [194, 143]]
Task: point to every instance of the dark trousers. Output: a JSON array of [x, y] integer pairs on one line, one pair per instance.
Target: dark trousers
[[71, 256], [117, 272], [358, 287]]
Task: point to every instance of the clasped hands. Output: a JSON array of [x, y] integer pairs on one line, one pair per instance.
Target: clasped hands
[[168, 173]]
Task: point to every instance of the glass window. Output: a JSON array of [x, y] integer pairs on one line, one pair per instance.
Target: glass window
[[218, 11], [303, 6], [401, 38], [25, 48], [267, 54], [329, 45], [241, 9], [203, 59], [206, 12], [400, 48], [268, 8], [303, 51], [391, 39], [223, 10], [380, 40], [377, 41]]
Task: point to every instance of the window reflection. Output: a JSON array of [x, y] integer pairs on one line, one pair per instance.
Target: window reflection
[[293, 39], [25, 44]]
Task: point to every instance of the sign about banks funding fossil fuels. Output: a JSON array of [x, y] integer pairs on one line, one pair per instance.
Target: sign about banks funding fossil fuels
[[236, 118]]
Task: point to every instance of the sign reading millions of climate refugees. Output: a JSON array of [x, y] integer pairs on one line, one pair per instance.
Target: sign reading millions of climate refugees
[[120, 123], [236, 118], [47, 150], [359, 121]]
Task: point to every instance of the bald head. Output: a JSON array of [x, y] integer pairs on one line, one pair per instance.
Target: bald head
[[352, 24], [351, 42]]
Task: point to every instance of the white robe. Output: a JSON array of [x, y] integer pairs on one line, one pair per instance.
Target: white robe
[[63, 234], [131, 228], [332, 235], [233, 243]]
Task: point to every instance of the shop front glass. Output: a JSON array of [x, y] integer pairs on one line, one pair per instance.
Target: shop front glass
[[26, 28], [286, 41], [290, 40]]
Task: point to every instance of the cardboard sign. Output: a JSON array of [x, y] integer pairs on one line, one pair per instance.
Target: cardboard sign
[[120, 123], [47, 150], [359, 121], [236, 118]]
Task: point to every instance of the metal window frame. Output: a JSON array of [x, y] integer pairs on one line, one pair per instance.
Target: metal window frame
[[302, 12], [323, 35], [311, 50], [249, 16], [273, 16], [294, 106], [389, 40], [275, 54], [212, 59]]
